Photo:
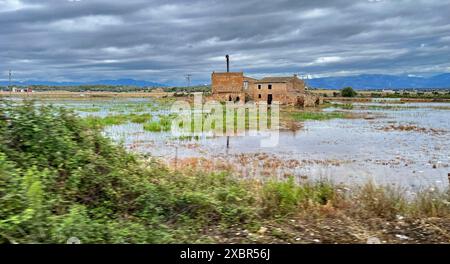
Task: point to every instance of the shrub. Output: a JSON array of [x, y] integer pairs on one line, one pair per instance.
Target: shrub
[[284, 198], [50, 161], [348, 92], [431, 204], [381, 201], [59, 178]]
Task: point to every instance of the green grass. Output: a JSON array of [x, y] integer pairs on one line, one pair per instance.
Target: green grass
[[154, 126], [319, 116], [188, 138], [387, 107], [140, 118], [340, 106], [100, 122], [165, 121], [164, 103], [234, 122], [283, 198], [89, 110], [371, 107], [419, 95], [162, 125]]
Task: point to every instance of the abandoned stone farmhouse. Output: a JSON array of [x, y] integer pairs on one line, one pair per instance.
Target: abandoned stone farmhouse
[[234, 86]]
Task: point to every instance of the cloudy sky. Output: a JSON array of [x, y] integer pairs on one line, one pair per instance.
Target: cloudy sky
[[83, 40]]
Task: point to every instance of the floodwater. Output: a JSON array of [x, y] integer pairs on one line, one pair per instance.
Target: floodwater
[[406, 145]]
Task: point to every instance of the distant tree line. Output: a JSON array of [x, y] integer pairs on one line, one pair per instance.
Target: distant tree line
[[94, 88], [118, 88], [199, 88]]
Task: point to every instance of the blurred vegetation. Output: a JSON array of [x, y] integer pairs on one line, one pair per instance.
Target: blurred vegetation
[[318, 116], [100, 122], [163, 124], [60, 178], [337, 105], [415, 95], [119, 88], [185, 89], [93, 88], [348, 92]]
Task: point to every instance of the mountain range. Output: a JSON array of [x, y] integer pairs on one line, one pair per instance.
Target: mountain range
[[379, 81], [119, 82], [361, 82]]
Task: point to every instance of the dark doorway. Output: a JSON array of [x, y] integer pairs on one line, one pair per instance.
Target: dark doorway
[[300, 101], [237, 99], [269, 99], [229, 98]]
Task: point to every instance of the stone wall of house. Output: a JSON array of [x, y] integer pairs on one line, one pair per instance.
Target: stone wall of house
[[235, 97], [308, 100], [249, 87], [234, 86], [228, 86], [261, 92], [227, 82], [298, 85]]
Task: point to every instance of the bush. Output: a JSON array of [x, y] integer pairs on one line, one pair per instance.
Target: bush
[[50, 162], [381, 201], [60, 178], [348, 92], [284, 198]]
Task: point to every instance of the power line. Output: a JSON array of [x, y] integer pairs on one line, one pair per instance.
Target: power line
[[188, 78], [9, 83]]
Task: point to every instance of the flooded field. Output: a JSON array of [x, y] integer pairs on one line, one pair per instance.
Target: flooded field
[[401, 144]]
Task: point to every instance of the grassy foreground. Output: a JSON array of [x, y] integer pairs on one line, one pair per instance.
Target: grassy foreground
[[59, 178], [101, 122], [318, 116]]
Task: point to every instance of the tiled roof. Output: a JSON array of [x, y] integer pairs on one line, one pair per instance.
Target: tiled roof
[[276, 79], [250, 78]]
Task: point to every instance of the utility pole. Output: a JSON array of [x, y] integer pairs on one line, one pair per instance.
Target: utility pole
[[9, 83], [227, 57], [188, 78], [10, 74]]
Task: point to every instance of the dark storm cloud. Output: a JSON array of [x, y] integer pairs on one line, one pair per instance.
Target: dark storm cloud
[[163, 40]]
